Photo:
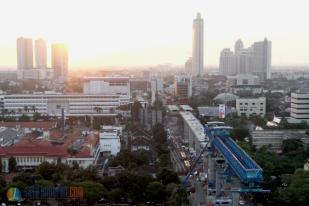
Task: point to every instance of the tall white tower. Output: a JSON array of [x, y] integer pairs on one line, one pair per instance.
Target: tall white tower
[[24, 53], [198, 46], [40, 54]]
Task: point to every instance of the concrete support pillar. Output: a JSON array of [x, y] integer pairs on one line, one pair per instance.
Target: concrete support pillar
[[235, 198]]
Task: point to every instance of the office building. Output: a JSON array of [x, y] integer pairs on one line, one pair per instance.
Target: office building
[[262, 59], [107, 85], [40, 54], [51, 104], [275, 138], [300, 107], [110, 139], [254, 60], [24, 53], [251, 106], [183, 86], [238, 46], [244, 83], [60, 62], [198, 46], [156, 84], [227, 64]]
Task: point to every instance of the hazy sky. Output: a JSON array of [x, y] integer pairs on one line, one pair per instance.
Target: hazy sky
[[149, 32]]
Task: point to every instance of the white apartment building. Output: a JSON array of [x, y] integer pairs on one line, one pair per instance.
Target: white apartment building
[[193, 131], [73, 104], [300, 107], [251, 106], [198, 46], [107, 85], [110, 139]]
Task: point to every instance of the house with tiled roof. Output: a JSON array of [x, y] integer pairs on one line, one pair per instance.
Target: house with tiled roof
[[140, 139], [32, 154]]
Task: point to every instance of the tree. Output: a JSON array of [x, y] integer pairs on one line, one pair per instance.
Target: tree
[[177, 195], [75, 165], [36, 116], [93, 191], [24, 118], [44, 183], [294, 190], [33, 108], [135, 110], [0, 165], [46, 170], [12, 164], [26, 108], [292, 146], [156, 192], [240, 132], [167, 176], [164, 160]]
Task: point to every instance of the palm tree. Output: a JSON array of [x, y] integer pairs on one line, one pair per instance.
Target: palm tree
[[98, 109], [33, 108], [111, 110], [26, 109]]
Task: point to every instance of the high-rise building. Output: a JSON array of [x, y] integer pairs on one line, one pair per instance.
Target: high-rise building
[[183, 86], [227, 62], [198, 46], [24, 53], [262, 59], [40, 54], [254, 60], [188, 66], [60, 61], [300, 107], [244, 61], [156, 84], [238, 46]]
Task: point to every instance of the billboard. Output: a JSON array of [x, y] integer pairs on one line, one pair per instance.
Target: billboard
[[222, 111]]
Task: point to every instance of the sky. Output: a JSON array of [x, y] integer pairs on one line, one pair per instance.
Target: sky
[[150, 32]]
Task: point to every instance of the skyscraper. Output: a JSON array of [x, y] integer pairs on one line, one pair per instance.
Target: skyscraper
[[198, 46], [24, 53], [40, 54], [238, 46], [254, 60], [262, 59], [60, 61], [227, 62]]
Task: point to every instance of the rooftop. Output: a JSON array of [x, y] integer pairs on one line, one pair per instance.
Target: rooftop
[[41, 125]]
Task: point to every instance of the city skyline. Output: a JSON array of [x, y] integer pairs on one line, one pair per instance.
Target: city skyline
[[133, 34]]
